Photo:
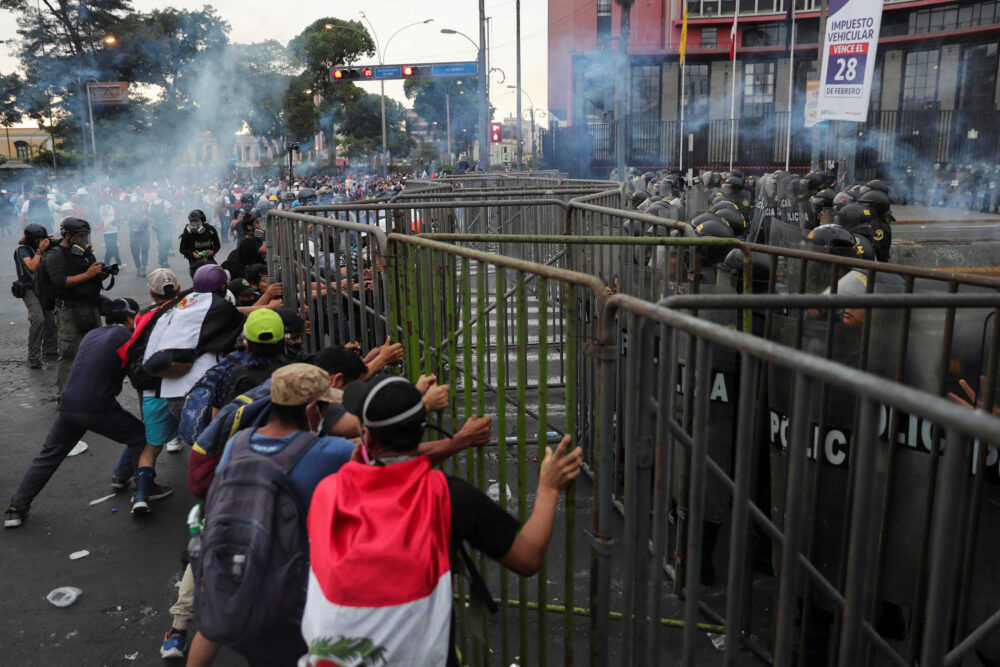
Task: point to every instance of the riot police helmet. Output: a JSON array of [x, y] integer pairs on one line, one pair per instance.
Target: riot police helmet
[[711, 225], [853, 216], [864, 248], [832, 236], [714, 179], [734, 219], [878, 184], [821, 200], [842, 199], [876, 199], [723, 204]]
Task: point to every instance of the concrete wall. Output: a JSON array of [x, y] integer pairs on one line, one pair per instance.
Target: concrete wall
[[948, 75], [669, 91], [720, 88], [892, 79]]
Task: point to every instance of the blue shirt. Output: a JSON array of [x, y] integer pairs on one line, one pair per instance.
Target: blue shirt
[[324, 458], [95, 378]]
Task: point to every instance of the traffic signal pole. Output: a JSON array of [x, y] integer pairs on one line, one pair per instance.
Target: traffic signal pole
[[484, 103], [520, 129]]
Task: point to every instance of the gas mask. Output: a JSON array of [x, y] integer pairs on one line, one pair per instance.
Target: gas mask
[[81, 244], [258, 233], [194, 227]]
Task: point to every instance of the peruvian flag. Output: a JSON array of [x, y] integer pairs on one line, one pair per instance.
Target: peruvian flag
[[201, 321], [732, 34], [380, 575]]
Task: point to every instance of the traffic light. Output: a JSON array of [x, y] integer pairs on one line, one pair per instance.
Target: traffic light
[[496, 132], [367, 72], [410, 71], [345, 74]]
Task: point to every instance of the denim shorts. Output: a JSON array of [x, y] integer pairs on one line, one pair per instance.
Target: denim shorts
[[160, 423]]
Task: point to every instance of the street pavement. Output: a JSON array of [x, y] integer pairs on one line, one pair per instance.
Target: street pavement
[[129, 578]]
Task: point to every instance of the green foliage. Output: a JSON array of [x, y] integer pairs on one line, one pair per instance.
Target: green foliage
[[11, 90], [317, 48]]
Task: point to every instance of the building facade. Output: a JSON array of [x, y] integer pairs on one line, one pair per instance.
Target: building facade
[[935, 94], [22, 143]]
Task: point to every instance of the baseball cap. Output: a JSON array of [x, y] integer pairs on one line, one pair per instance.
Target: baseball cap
[[159, 279], [240, 287], [209, 278], [292, 320], [384, 401], [301, 384], [264, 326]]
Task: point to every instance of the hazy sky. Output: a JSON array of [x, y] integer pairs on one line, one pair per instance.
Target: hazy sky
[[257, 20]]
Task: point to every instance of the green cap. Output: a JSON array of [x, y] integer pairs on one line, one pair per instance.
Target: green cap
[[264, 326]]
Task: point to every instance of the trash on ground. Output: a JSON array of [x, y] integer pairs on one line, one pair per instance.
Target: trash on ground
[[131, 656], [101, 500], [63, 596], [77, 555], [718, 641], [78, 448]]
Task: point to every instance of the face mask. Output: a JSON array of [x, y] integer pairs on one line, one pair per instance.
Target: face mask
[[194, 228], [80, 250], [318, 429], [258, 233]]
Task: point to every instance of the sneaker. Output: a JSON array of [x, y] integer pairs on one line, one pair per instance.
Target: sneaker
[[140, 505], [156, 492], [174, 445], [34, 363], [174, 644], [119, 483], [13, 517]]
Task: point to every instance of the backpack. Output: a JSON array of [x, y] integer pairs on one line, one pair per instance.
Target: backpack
[[251, 572], [249, 409], [196, 415], [43, 285]]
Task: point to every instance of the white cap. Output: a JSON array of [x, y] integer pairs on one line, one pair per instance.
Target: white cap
[[66, 208], [81, 191]]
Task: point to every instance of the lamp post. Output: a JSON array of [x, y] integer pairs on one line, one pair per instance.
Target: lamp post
[[532, 110], [381, 61], [484, 131]]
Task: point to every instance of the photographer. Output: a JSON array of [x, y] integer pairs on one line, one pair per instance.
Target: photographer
[[199, 240], [41, 325], [71, 283]]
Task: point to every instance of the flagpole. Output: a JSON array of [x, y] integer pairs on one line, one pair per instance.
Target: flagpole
[[681, 146], [732, 93], [791, 86]]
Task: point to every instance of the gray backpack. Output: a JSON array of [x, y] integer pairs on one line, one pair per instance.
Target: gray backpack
[[251, 573]]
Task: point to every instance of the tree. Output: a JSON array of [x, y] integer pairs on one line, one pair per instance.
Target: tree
[[432, 99], [269, 66], [318, 49]]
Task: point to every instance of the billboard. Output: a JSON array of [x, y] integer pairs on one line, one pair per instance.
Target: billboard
[[851, 40]]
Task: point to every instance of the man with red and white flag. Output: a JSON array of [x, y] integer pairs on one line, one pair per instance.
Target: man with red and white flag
[[381, 535]]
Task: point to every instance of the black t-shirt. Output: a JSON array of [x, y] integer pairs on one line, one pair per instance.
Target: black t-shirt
[[482, 523], [60, 263]]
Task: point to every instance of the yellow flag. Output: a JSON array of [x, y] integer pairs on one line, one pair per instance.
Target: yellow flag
[[684, 34]]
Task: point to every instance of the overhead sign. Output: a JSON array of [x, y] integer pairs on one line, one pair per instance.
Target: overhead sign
[[812, 105], [852, 28], [416, 71], [113, 92]]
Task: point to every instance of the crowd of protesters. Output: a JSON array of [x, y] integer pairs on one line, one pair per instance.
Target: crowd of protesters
[[323, 533]]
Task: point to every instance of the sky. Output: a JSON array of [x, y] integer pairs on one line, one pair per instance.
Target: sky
[[257, 20]]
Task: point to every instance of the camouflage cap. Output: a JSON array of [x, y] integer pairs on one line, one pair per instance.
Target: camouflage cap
[[301, 384]]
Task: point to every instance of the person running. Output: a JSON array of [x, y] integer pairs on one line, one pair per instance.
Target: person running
[[88, 403]]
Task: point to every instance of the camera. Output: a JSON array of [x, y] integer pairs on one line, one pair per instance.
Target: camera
[[109, 269]]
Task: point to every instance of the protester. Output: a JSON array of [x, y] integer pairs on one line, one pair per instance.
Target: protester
[[87, 403], [382, 532]]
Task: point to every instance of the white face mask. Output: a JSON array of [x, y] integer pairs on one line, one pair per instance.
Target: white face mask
[[318, 429]]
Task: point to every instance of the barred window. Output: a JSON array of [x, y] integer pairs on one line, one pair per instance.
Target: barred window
[[920, 79], [979, 77], [758, 89]]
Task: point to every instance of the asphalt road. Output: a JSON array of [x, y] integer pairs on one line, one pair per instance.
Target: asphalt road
[[129, 578]]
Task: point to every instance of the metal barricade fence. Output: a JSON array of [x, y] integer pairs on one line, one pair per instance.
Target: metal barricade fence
[[441, 298], [836, 595]]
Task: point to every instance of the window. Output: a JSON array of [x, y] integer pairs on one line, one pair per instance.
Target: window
[[758, 89], [645, 92], [709, 38], [920, 79], [979, 77], [875, 101], [696, 94], [22, 150]]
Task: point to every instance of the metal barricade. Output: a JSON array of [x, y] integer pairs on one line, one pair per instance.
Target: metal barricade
[[679, 414], [656, 418]]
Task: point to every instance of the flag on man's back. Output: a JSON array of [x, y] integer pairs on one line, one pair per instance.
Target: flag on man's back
[[380, 572]]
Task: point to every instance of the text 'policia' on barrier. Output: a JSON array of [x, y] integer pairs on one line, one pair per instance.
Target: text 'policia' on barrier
[[771, 452]]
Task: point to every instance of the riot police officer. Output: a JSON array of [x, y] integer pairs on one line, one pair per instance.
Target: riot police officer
[[878, 204]]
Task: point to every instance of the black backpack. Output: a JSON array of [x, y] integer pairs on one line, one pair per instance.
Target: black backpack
[[251, 572]]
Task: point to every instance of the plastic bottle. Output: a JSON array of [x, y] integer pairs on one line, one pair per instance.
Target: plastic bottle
[[194, 529]]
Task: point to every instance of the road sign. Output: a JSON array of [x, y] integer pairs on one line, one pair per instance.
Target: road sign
[[112, 92], [852, 28], [414, 71]]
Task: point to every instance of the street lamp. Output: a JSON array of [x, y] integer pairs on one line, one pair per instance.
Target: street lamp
[[484, 143], [520, 152], [381, 61]]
